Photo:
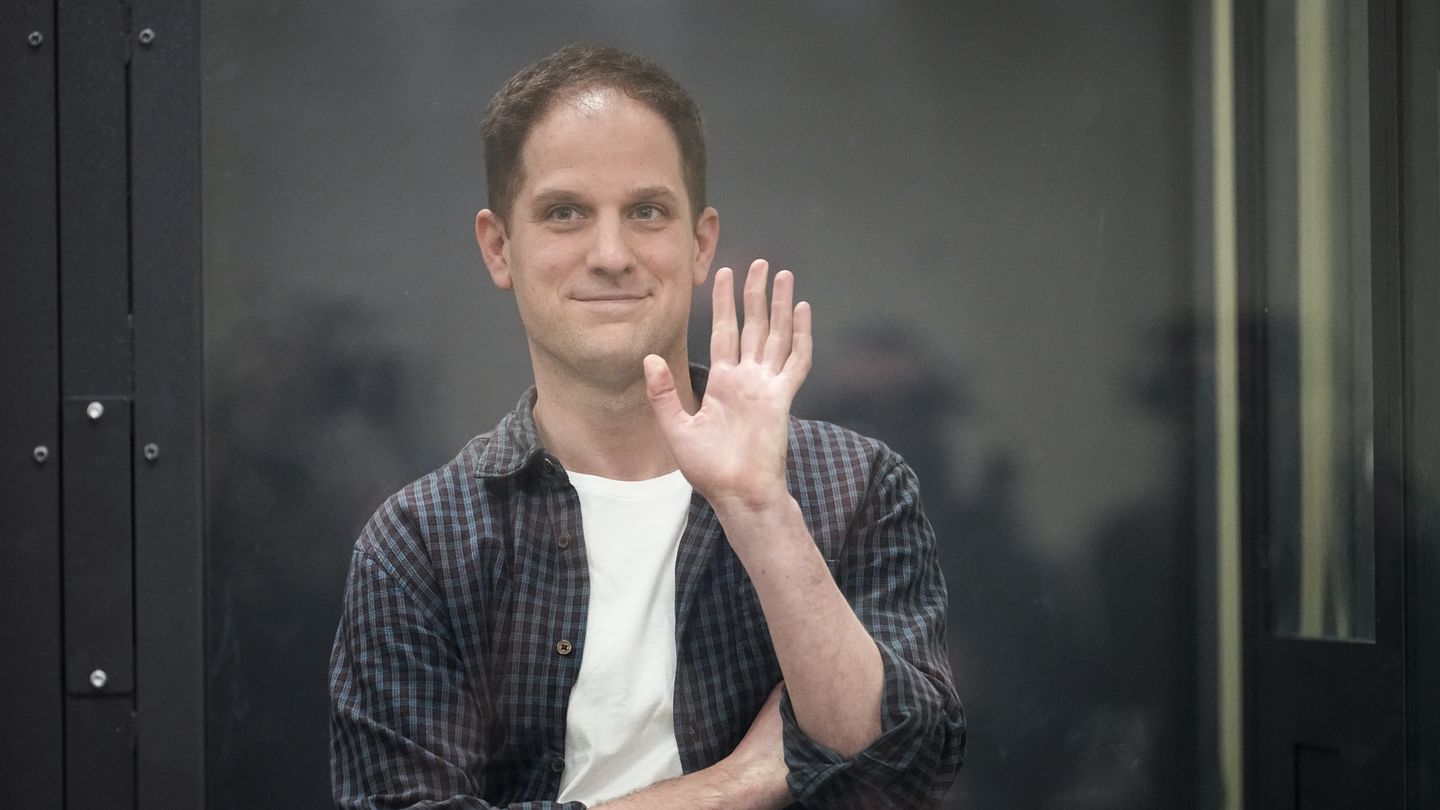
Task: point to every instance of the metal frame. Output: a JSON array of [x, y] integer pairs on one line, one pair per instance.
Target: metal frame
[[1420, 206], [95, 367], [103, 695], [31, 701], [1288, 681], [166, 449], [1250, 342]]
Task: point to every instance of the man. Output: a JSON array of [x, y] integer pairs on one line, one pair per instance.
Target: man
[[645, 587]]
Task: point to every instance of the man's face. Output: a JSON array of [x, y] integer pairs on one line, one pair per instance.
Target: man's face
[[601, 248]]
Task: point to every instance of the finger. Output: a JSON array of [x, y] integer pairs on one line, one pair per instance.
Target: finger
[[777, 346], [664, 399], [797, 365], [724, 333], [752, 337]]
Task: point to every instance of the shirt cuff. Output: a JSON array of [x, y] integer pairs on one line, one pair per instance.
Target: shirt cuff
[[916, 731]]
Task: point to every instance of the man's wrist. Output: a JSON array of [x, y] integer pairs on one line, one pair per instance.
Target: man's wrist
[[774, 545], [722, 786], [746, 787], [758, 513], [751, 499]]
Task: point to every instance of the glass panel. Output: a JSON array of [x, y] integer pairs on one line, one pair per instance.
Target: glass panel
[[1318, 320], [988, 208]]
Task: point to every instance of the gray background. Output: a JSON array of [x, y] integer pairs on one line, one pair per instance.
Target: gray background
[[989, 205]]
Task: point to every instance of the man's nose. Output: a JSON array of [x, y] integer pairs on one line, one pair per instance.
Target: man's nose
[[610, 249]]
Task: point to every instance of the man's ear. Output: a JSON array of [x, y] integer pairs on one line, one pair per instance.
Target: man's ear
[[494, 247], [707, 234]]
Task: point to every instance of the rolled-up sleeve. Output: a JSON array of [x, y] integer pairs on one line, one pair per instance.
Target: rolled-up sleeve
[[889, 571]]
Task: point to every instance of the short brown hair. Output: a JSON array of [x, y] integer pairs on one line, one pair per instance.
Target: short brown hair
[[531, 93]]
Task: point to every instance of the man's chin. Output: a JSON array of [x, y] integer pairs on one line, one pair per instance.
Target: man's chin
[[616, 370], [610, 362]]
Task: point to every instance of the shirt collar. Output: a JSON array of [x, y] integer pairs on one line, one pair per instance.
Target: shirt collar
[[514, 445]]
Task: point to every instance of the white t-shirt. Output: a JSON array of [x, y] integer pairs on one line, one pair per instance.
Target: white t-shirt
[[619, 729]]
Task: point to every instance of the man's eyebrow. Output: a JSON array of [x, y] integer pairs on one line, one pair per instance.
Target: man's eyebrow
[[653, 193], [552, 196], [557, 196]]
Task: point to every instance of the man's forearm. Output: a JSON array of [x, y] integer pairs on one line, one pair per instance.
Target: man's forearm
[[718, 787], [733, 450], [832, 668]]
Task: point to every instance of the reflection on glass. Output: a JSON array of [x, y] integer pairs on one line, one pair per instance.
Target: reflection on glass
[[1318, 320], [990, 238]]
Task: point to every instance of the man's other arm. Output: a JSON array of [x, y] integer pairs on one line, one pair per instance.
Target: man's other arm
[[753, 777]]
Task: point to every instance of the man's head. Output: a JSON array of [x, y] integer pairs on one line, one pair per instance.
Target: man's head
[[594, 225], [565, 75]]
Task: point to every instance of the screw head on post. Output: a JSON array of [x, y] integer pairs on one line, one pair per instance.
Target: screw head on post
[[95, 410], [98, 678], [35, 39], [147, 36]]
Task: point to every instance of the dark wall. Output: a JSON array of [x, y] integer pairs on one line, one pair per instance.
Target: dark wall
[[988, 205]]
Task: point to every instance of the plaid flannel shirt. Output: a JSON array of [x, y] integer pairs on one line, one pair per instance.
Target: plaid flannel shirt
[[464, 627]]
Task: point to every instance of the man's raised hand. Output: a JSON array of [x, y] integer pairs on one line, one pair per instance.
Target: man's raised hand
[[733, 448]]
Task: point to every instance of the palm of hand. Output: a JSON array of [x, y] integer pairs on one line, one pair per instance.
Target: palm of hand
[[733, 449]]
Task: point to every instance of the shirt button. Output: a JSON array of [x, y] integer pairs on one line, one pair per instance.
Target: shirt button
[[563, 541], [563, 646], [557, 764]]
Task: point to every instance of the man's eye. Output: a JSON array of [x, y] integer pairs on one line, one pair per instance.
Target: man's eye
[[648, 211], [563, 213]]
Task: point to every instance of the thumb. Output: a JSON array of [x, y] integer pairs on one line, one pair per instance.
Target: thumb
[[664, 399]]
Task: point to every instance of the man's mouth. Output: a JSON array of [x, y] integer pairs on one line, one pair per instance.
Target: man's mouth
[[609, 298]]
